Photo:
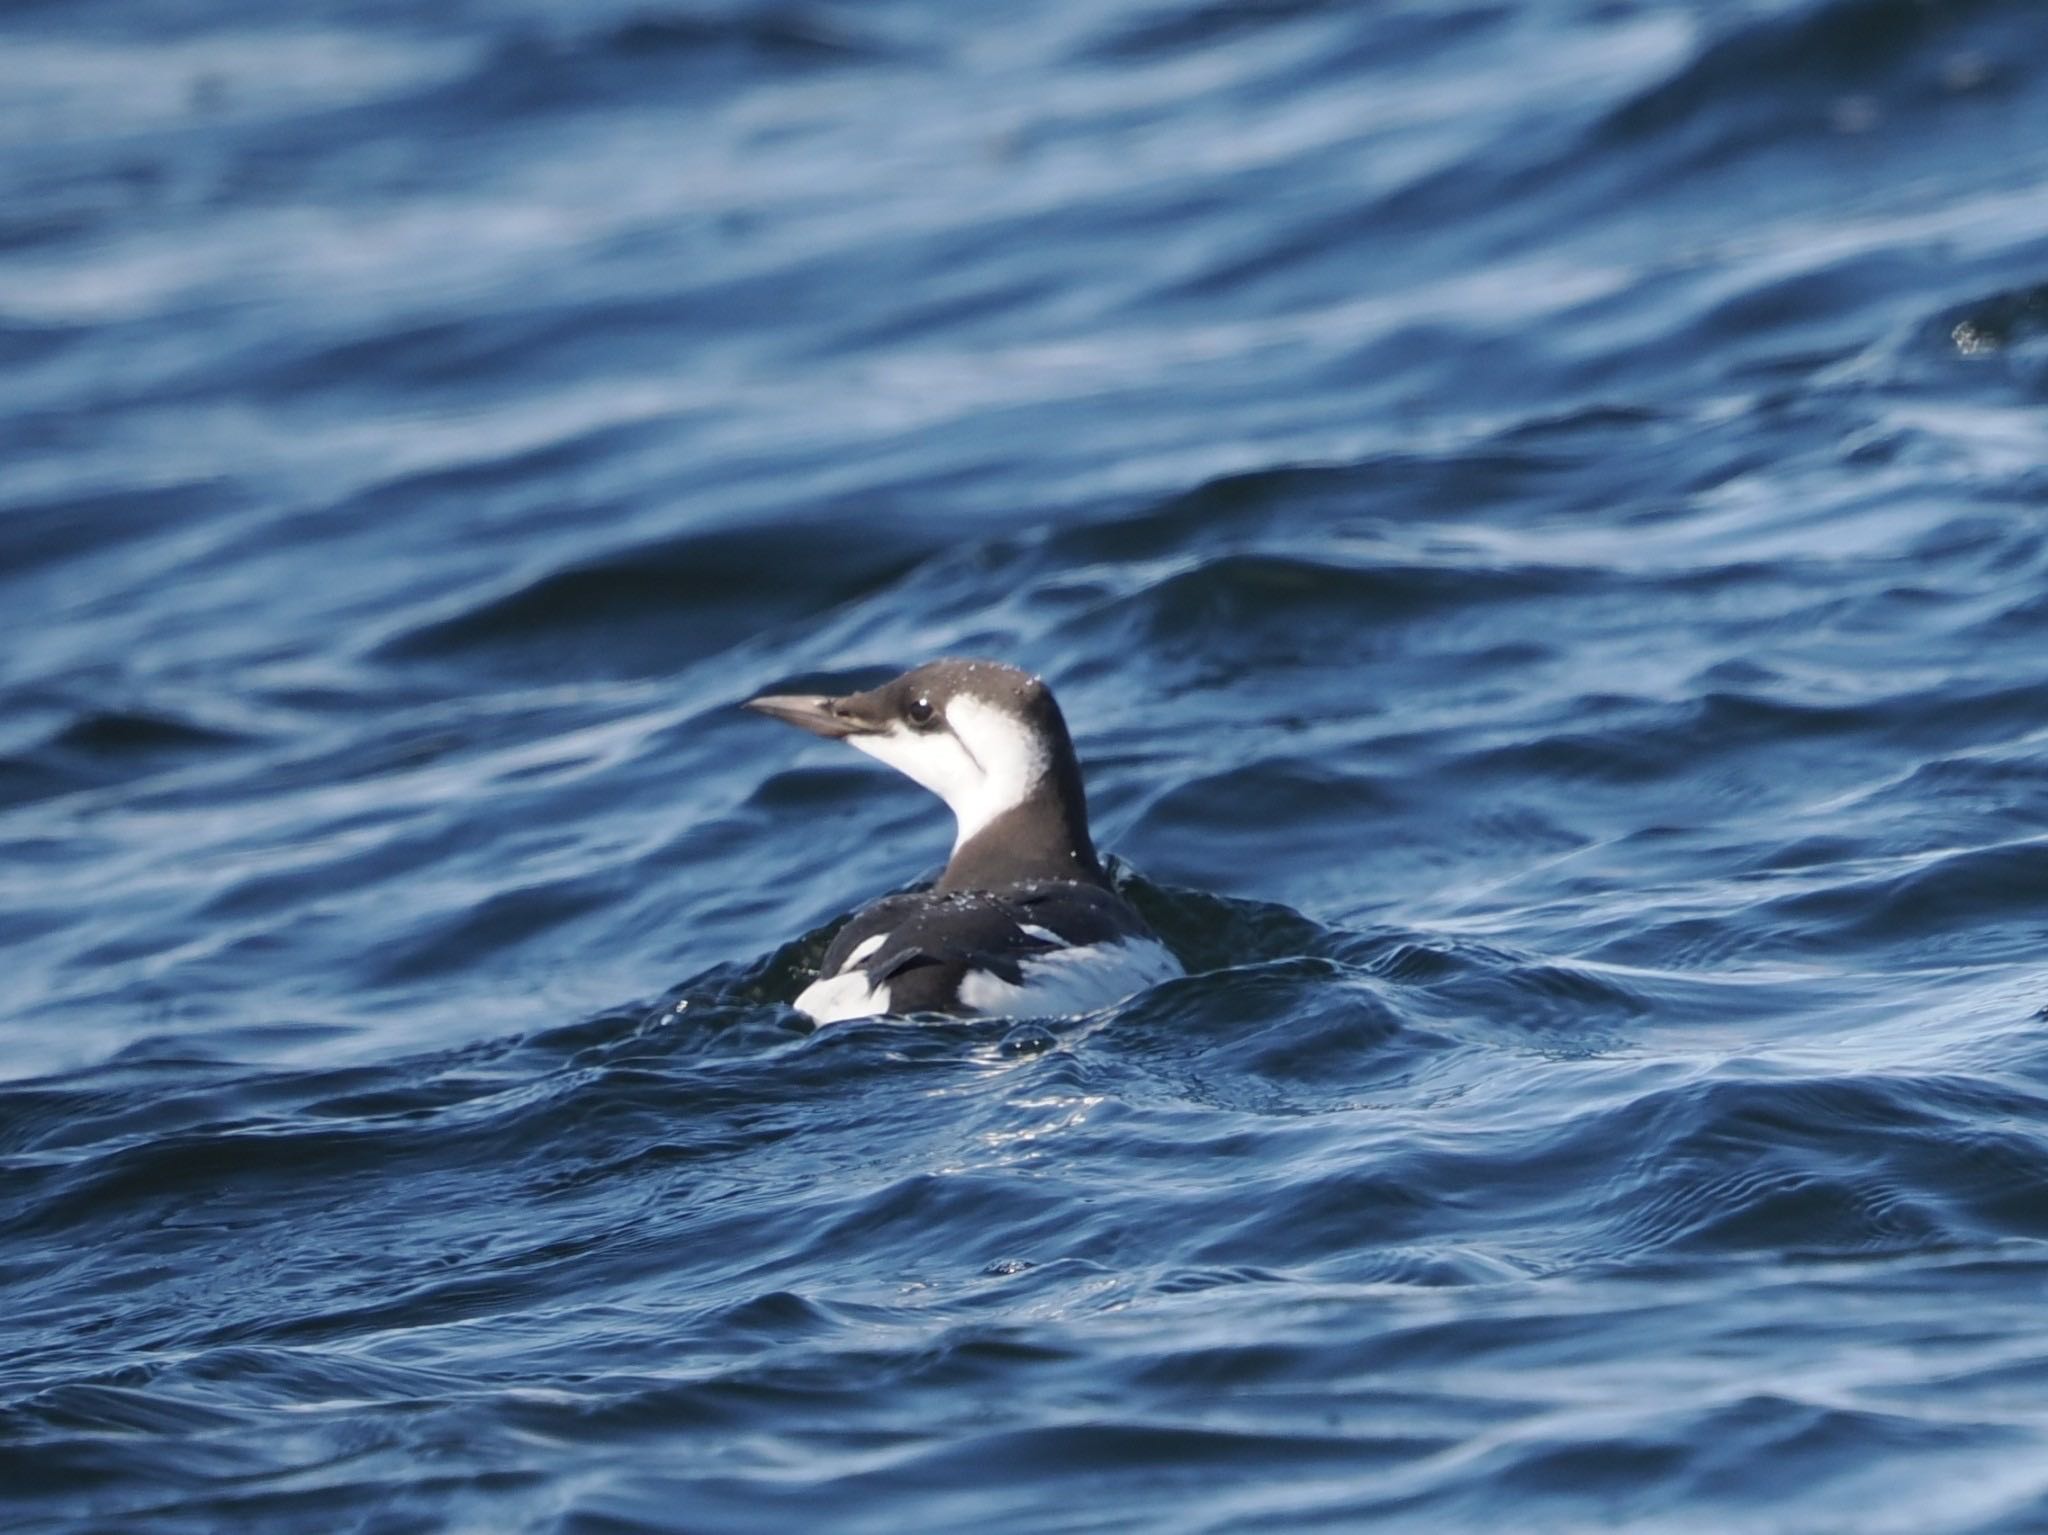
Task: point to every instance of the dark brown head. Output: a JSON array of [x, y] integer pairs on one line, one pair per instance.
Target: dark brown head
[[986, 738]]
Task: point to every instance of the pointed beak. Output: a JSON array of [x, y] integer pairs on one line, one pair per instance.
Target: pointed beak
[[819, 715]]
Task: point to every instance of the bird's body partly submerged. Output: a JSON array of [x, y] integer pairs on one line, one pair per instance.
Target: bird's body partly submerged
[[1023, 922]]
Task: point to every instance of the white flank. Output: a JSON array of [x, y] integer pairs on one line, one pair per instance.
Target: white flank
[[982, 764], [836, 998], [1071, 980]]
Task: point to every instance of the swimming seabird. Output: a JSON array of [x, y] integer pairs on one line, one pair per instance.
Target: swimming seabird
[[1023, 922]]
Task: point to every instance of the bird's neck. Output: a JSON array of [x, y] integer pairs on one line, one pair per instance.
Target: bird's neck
[[1044, 836]]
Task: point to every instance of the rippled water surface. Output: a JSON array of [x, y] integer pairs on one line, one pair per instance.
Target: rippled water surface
[[1537, 512]]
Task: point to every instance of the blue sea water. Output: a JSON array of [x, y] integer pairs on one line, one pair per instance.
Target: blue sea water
[[1537, 511]]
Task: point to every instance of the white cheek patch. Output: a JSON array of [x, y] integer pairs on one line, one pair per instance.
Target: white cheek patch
[[933, 759], [1012, 761], [985, 763]]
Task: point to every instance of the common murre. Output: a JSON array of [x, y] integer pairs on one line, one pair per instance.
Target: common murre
[[1023, 923]]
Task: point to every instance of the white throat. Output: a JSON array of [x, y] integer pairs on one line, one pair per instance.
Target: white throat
[[982, 764]]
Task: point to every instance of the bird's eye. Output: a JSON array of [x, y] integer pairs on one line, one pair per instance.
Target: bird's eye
[[920, 713]]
